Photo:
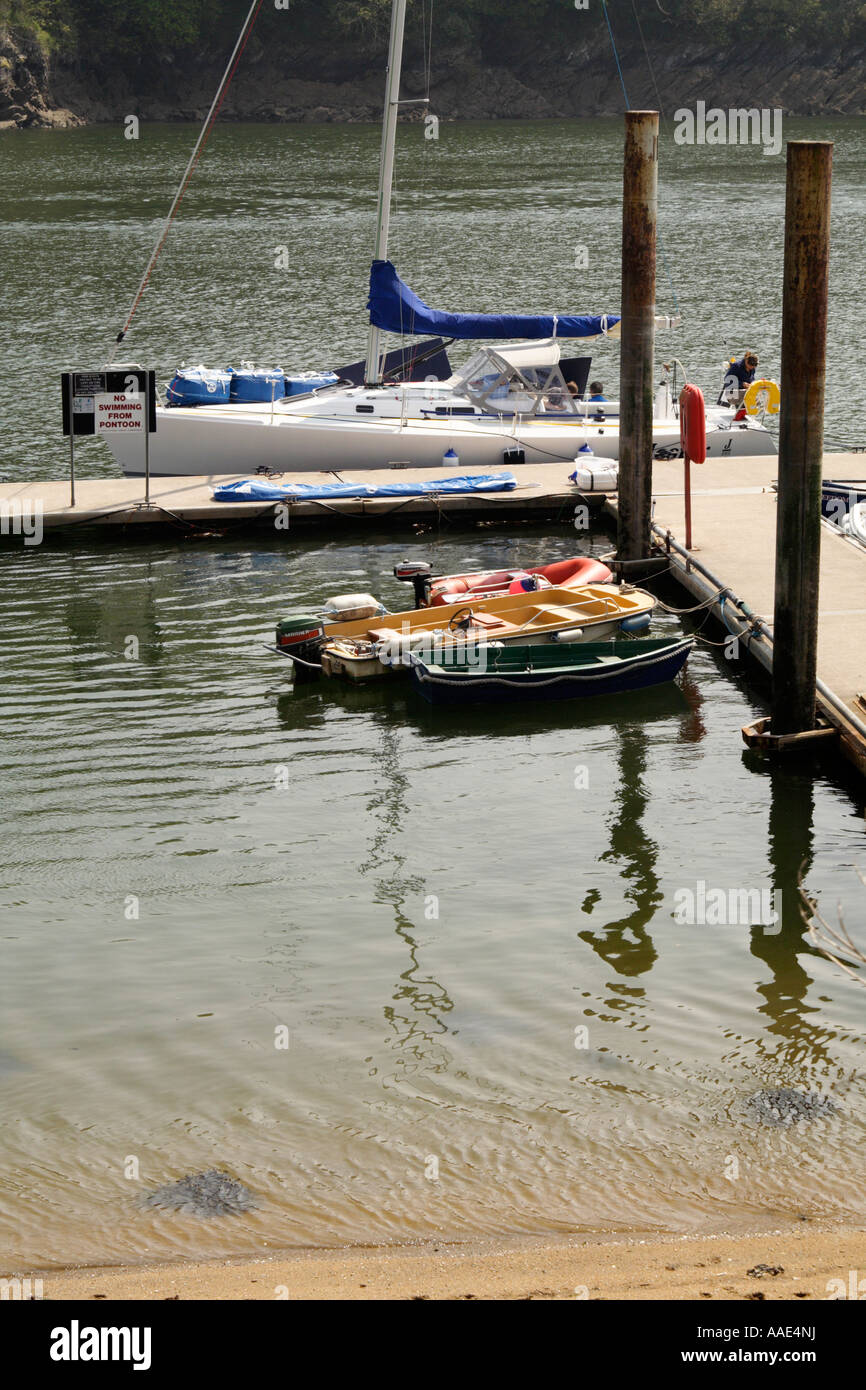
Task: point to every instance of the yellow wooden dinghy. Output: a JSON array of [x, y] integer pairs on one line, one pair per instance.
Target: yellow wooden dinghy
[[369, 647]]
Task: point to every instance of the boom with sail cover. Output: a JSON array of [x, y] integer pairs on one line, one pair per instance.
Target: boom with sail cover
[[395, 308]]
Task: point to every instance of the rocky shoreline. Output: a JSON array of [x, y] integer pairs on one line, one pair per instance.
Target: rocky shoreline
[[27, 100], [538, 82]]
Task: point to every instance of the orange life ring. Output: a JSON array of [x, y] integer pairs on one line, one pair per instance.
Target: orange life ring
[[693, 423]]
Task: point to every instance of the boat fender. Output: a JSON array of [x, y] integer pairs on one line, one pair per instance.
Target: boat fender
[[346, 608], [639, 623], [571, 634], [762, 397]]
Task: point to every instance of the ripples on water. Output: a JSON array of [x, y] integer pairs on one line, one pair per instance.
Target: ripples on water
[[312, 908], [151, 784], [488, 217]]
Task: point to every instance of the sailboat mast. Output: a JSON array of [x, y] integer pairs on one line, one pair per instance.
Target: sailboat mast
[[386, 165]]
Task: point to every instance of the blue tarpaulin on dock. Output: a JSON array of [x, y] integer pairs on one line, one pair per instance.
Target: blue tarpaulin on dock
[[263, 490], [397, 309]]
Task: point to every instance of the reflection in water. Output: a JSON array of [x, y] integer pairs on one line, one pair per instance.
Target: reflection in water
[[99, 624], [625, 944], [692, 727], [416, 1015], [783, 947]]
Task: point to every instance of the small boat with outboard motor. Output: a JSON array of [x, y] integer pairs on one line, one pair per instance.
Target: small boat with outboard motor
[[358, 639], [438, 589], [501, 673]]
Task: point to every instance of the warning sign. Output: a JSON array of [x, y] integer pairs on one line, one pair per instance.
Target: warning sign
[[117, 410], [123, 399], [87, 383]]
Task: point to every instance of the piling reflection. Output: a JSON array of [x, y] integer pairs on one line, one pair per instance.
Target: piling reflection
[[785, 946], [692, 726]]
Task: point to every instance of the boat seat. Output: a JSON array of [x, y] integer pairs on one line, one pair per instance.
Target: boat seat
[[488, 620], [503, 625], [573, 615], [384, 634]]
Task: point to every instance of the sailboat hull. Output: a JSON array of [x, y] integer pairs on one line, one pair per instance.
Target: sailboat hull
[[233, 440]]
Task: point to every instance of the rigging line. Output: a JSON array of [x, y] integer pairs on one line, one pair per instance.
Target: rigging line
[[200, 143], [648, 60], [430, 50], [628, 108], [616, 55]]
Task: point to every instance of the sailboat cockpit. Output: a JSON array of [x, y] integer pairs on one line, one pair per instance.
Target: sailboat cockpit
[[517, 379]]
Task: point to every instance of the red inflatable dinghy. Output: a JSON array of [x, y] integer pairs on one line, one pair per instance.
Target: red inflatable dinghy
[[564, 574]]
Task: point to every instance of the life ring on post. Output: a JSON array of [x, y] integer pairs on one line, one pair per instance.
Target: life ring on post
[[693, 423], [762, 398]]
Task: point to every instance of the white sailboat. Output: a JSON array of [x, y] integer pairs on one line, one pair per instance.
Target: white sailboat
[[511, 403]]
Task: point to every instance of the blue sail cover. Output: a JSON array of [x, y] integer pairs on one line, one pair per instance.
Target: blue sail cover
[[396, 309], [255, 490]]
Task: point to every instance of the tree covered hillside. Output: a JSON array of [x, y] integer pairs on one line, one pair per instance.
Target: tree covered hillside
[[124, 27], [64, 62]]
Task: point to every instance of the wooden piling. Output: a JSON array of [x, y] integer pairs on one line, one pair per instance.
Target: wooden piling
[[801, 435], [639, 196]]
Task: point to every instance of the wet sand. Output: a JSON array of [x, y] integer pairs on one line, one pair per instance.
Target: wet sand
[[634, 1267]]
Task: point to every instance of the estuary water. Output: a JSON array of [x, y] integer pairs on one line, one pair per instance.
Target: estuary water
[[400, 973]]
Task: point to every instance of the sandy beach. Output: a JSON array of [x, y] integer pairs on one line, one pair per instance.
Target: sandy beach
[[702, 1268]]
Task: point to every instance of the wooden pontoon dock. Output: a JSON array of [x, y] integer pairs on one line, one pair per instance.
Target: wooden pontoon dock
[[543, 492], [733, 543]]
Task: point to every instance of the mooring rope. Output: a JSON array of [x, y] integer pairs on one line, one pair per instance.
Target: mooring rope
[[200, 143]]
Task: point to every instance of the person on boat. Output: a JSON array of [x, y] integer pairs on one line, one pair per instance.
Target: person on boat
[[554, 400], [573, 388], [597, 389], [739, 375]]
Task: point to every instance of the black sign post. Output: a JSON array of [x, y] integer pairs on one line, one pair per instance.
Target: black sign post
[[95, 402], [148, 394], [68, 399]]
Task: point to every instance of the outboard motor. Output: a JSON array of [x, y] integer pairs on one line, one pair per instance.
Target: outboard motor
[[417, 573], [300, 636]]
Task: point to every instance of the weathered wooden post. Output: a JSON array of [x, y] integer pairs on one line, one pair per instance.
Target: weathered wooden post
[[639, 196], [801, 435]]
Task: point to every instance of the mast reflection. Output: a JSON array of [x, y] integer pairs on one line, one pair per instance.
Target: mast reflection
[[625, 944], [420, 1004]]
